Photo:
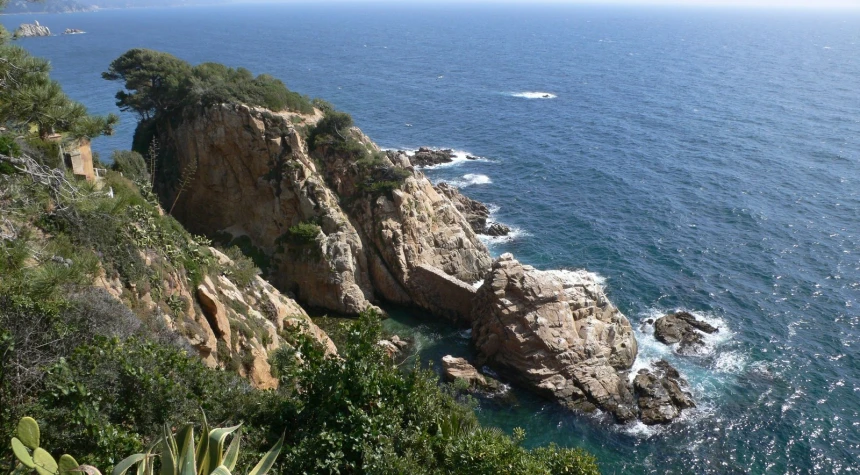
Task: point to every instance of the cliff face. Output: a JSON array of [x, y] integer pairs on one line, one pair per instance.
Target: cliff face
[[254, 176], [231, 327]]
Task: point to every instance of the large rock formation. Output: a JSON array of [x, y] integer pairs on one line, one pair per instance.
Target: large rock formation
[[559, 336], [331, 240], [32, 29]]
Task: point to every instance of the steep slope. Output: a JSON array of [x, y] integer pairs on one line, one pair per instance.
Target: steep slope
[[342, 225], [113, 249]]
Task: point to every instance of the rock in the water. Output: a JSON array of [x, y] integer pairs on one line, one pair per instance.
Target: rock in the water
[[427, 157], [458, 368], [659, 392], [497, 229], [557, 334], [475, 212], [683, 328], [73, 31], [32, 29]]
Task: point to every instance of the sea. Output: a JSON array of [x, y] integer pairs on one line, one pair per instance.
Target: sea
[[694, 158]]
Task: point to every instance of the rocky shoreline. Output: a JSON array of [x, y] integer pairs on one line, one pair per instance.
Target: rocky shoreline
[[338, 245]]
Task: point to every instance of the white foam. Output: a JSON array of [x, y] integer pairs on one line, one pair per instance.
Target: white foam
[[731, 362], [534, 95], [470, 179], [513, 235]]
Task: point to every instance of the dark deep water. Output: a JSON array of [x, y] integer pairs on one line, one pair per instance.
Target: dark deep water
[[699, 159]]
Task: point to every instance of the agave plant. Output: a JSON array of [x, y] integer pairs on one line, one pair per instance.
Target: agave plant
[[179, 456], [32, 457]]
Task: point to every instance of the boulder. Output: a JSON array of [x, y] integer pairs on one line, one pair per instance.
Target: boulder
[[683, 328], [458, 368], [557, 334], [660, 397], [214, 310]]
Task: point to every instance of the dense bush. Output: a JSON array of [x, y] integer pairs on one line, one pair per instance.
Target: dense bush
[[302, 234], [158, 84], [131, 164], [359, 413]]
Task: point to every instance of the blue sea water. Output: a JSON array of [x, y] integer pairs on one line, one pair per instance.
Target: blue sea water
[[698, 159]]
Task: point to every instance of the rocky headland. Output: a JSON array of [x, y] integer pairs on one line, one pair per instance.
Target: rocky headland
[[344, 226], [31, 29]]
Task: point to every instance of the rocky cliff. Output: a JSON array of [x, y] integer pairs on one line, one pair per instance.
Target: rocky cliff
[[343, 226], [230, 326], [330, 234]]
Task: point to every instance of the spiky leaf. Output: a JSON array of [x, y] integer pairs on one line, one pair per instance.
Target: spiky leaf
[[186, 457], [265, 464], [22, 453], [28, 432], [45, 464], [232, 454], [202, 455], [220, 470], [67, 464], [127, 463], [216, 444]]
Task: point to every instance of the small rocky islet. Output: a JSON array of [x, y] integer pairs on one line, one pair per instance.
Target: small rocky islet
[[27, 30]]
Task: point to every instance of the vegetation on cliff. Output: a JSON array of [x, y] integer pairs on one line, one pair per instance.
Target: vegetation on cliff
[[160, 83], [103, 342]]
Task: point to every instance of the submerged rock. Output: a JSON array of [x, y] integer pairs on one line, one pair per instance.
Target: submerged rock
[[32, 29], [683, 328], [660, 397], [558, 336]]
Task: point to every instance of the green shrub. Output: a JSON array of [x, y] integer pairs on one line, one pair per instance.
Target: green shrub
[[242, 271], [8, 146], [131, 164], [302, 234]]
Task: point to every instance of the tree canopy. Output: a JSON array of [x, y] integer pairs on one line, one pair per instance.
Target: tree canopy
[[28, 97], [159, 83]]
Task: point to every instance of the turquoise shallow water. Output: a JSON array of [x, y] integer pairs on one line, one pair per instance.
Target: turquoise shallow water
[[700, 159]]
